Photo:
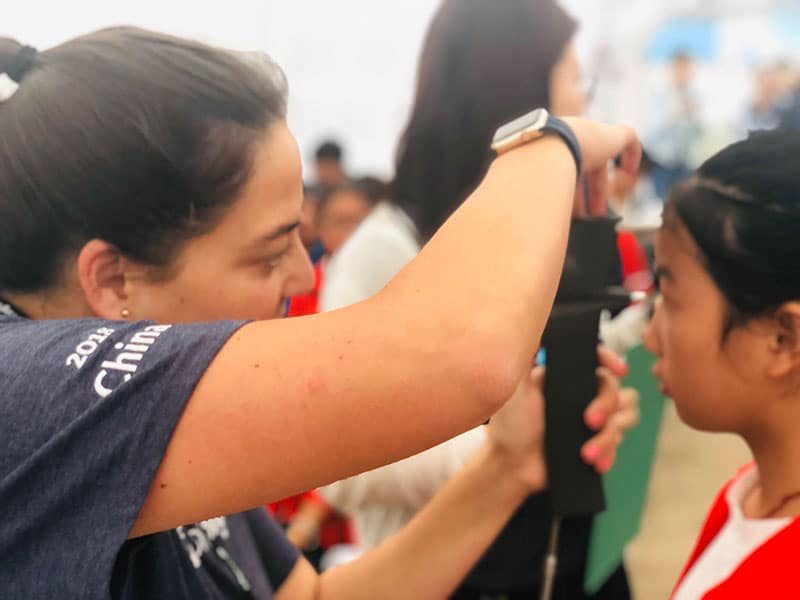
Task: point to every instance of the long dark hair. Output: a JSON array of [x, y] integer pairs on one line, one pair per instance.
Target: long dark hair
[[126, 135], [483, 63], [743, 210]]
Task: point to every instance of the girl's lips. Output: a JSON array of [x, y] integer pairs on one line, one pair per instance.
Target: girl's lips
[[662, 386]]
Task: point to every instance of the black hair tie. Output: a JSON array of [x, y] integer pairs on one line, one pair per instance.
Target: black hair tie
[[22, 63]]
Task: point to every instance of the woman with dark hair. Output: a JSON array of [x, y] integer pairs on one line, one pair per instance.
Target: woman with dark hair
[[726, 332], [483, 63], [149, 187]]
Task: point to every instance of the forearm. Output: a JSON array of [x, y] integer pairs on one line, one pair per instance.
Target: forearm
[[432, 555], [411, 482], [504, 250]]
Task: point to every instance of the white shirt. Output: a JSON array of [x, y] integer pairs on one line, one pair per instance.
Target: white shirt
[[382, 501], [383, 244]]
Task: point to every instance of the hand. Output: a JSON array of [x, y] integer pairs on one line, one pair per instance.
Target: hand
[[303, 534], [627, 415], [517, 430], [304, 529], [613, 412], [600, 143]]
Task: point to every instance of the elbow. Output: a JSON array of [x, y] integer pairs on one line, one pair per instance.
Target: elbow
[[500, 379], [491, 370], [477, 361]]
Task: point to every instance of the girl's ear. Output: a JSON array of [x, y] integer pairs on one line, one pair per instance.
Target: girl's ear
[[784, 340]]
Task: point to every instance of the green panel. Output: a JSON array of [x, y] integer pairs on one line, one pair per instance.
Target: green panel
[[626, 485]]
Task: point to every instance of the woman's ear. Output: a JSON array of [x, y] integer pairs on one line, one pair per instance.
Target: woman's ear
[[101, 272], [784, 343]]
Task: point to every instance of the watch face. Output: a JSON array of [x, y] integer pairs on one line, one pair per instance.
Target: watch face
[[532, 121]]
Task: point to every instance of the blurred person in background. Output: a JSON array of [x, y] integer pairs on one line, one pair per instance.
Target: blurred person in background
[[313, 526], [483, 63], [339, 212], [676, 128], [329, 164], [135, 415], [790, 120], [376, 188], [771, 95], [308, 224]]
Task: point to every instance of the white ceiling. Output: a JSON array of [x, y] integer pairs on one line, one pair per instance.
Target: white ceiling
[[351, 62]]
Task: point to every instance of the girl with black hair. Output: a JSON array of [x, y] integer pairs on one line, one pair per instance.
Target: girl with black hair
[[149, 187], [726, 331]]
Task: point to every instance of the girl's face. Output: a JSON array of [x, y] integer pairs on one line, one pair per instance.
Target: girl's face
[[716, 380], [251, 262]]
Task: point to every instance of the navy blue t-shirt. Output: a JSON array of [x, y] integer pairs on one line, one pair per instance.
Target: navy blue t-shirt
[[87, 409]]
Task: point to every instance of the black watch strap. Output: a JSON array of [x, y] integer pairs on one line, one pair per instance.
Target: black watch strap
[[556, 125]]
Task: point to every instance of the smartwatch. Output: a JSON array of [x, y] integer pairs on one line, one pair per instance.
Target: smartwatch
[[531, 127]]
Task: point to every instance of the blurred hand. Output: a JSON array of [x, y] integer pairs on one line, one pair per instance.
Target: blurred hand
[[601, 143], [626, 417], [517, 430], [305, 527], [610, 418]]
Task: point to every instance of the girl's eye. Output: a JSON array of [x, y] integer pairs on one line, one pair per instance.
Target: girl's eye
[[274, 261]]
